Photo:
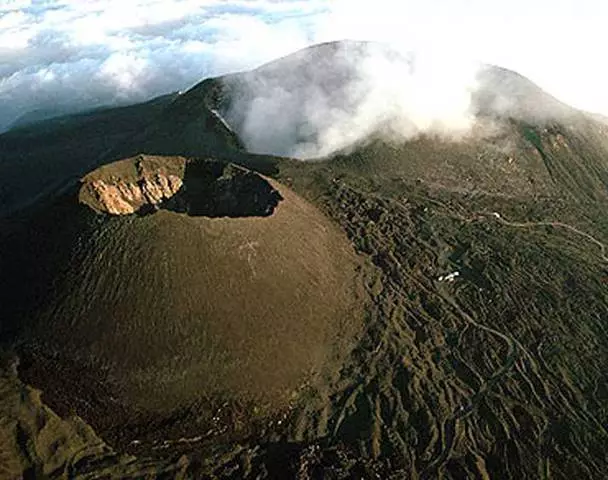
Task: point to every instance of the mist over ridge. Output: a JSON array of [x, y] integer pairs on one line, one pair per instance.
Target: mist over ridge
[[337, 95], [64, 56]]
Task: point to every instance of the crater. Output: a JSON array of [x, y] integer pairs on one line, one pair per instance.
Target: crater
[[130, 311], [145, 184]]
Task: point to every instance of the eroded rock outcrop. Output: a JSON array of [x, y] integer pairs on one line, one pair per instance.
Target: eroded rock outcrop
[[127, 198], [198, 187], [129, 186]]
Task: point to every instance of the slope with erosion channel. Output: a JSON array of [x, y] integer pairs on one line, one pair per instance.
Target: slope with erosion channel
[[196, 285], [494, 374], [187, 126]]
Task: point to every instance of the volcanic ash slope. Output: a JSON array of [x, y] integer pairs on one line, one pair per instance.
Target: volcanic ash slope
[[192, 279]]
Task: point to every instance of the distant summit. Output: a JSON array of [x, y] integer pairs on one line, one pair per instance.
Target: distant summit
[[315, 102], [337, 95]]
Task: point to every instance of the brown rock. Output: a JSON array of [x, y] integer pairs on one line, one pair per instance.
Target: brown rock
[[150, 184]]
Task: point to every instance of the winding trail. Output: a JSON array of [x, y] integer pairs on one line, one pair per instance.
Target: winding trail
[[508, 223], [517, 359], [450, 424]]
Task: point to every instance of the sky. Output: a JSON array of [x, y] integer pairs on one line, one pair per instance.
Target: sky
[[74, 54]]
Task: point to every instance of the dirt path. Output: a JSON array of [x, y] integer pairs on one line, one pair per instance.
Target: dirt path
[[514, 346], [508, 223]]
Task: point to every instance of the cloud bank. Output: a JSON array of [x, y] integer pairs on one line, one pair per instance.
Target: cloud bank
[[68, 54], [334, 96]]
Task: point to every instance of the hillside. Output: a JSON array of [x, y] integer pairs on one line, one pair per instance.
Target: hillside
[[465, 338], [37, 159], [185, 288]]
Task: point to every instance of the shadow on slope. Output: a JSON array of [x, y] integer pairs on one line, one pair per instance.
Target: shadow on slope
[[209, 188], [214, 190], [38, 159]]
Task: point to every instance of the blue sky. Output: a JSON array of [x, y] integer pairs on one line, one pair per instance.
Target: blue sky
[[84, 53]]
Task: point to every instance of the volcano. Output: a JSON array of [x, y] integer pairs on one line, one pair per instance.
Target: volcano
[[184, 280], [190, 300]]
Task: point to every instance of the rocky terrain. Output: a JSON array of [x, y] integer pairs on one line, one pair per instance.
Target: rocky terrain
[[123, 197], [429, 308]]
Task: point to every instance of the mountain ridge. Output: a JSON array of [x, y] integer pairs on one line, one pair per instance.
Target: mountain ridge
[[476, 346]]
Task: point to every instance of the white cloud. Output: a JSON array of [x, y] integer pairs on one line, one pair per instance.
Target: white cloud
[[123, 70], [558, 44], [350, 93], [75, 53], [70, 53]]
